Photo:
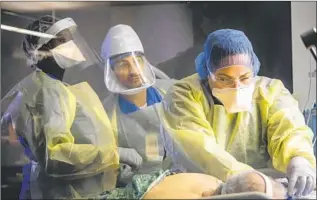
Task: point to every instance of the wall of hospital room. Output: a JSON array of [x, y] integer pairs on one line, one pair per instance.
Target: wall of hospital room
[[159, 31], [173, 35], [303, 18], [164, 29], [159, 26]]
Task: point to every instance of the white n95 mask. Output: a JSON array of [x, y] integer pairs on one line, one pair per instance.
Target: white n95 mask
[[67, 55], [235, 99]]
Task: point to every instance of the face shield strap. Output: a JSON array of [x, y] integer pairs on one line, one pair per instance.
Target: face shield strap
[[254, 61], [209, 72], [55, 29]]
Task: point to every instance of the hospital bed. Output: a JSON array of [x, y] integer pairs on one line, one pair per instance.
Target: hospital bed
[[253, 195], [257, 195], [245, 195]]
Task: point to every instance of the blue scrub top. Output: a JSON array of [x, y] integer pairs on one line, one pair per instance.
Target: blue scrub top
[[152, 97], [50, 75]]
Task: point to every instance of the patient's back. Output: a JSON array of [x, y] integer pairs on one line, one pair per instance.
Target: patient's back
[[194, 185], [184, 186]]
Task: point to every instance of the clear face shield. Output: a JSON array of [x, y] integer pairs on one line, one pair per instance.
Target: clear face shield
[[68, 48], [40, 107], [128, 73]]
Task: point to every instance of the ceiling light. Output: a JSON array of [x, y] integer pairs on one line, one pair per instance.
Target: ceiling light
[[25, 31]]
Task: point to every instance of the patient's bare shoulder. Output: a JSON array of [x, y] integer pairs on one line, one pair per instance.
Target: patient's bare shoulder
[[184, 186], [194, 185]]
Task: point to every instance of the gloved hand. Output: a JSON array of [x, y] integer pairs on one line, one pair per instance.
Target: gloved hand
[[301, 177], [125, 175], [131, 157]]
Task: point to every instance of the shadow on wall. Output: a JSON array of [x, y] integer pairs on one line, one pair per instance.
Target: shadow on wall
[[163, 35], [172, 39], [159, 31], [270, 35]]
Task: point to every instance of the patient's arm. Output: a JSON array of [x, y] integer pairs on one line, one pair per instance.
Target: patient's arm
[[279, 191]]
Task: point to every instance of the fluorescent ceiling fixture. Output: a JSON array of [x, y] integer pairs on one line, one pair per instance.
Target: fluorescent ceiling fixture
[[25, 31]]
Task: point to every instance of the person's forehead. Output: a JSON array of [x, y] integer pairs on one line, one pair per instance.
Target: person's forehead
[[130, 58], [237, 58], [234, 71]]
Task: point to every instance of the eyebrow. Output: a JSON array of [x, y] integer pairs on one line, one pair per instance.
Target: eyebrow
[[122, 61], [221, 74], [246, 74]]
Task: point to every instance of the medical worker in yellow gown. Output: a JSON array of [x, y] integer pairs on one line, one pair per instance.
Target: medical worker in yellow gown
[[64, 129], [225, 119]]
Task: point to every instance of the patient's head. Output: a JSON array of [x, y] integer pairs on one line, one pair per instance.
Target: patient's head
[[253, 181]]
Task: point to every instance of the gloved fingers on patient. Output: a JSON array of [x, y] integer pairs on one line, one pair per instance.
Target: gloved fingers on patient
[[291, 184], [309, 186], [300, 186]]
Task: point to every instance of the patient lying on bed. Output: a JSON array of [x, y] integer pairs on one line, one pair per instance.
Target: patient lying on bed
[[167, 185], [192, 185]]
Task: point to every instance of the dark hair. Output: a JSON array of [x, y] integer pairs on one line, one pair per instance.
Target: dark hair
[[41, 25]]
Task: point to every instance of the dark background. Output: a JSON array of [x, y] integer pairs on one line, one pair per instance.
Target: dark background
[[267, 24]]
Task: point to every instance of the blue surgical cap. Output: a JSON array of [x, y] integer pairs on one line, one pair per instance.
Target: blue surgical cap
[[223, 48]]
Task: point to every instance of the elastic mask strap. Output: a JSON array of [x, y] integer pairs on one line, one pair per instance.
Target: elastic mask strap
[[209, 72], [268, 185]]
